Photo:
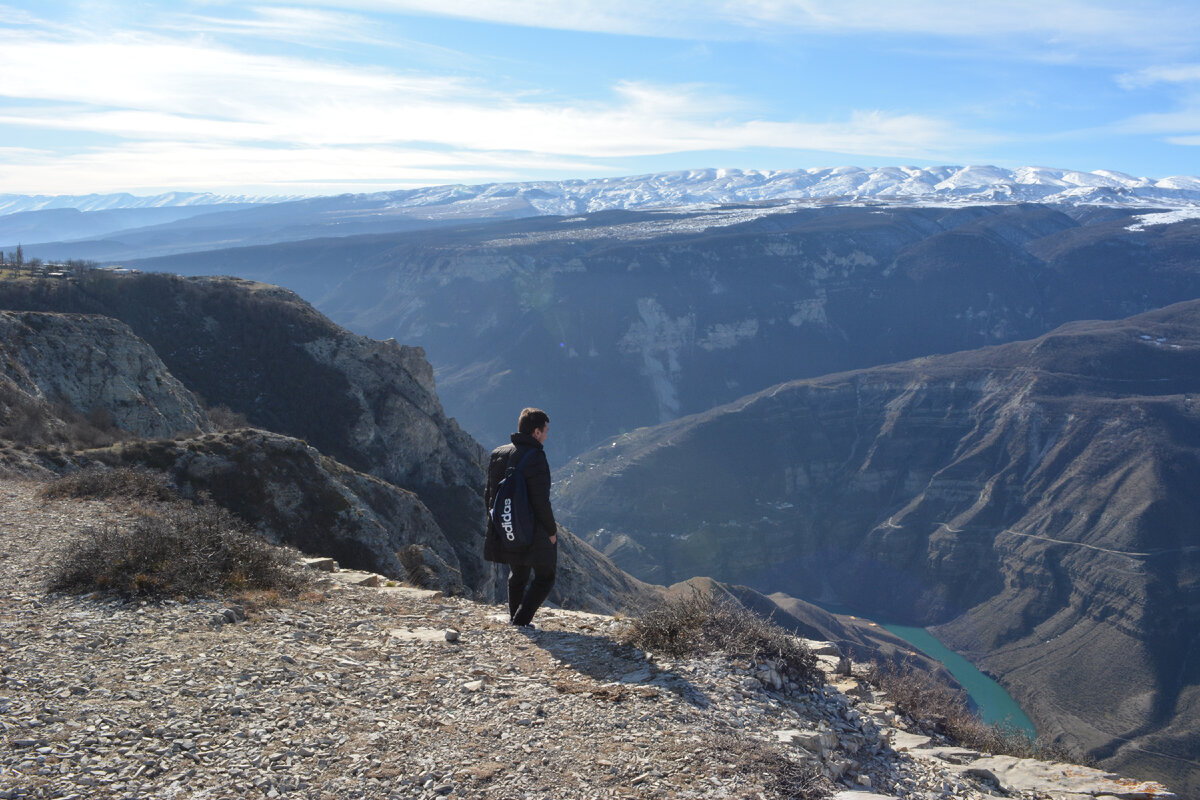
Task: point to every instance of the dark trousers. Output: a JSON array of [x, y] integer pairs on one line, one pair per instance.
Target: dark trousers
[[526, 596]]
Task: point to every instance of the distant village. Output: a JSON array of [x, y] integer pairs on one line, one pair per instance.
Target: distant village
[[13, 264]]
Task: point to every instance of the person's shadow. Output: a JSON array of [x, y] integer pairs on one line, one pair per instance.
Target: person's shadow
[[620, 668]]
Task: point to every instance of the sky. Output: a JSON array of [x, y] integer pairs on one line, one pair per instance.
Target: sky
[[320, 97]]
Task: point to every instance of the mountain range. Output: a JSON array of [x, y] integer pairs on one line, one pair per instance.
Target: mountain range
[[106, 227]]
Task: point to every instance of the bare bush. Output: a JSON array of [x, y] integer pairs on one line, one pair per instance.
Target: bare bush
[[938, 708], [176, 550], [26, 421], [82, 431], [416, 568], [701, 623], [23, 421], [785, 778], [225, 418], [122, 483]]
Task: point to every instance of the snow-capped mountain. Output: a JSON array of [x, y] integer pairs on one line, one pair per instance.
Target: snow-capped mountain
[[113, 228], [690, 188], [893, 185], [16, 203]]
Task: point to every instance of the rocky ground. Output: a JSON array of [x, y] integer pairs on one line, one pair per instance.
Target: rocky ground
[[387, 692]]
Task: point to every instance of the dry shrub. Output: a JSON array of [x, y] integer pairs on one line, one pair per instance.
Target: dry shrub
[[416, 568], [96, 428], [225, 418], [702, 623], [785, 778], [177, 550], [938, 708], [22, 421], [933, 705], [121, 483]]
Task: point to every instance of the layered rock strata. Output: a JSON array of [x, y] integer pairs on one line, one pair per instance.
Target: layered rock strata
[[621, 319], [1033, 500]]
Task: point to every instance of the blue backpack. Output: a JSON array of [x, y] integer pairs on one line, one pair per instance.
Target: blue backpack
[[511, 513]]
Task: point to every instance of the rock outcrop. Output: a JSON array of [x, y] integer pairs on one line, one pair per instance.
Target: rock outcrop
[[355, 457], [265, 353], [293, 494], [1034, 500], [91, 365]]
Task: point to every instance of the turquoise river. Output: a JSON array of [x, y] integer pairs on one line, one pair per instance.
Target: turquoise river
[[993, 702]]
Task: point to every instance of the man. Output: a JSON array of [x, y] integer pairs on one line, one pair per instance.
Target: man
[[525, 596]]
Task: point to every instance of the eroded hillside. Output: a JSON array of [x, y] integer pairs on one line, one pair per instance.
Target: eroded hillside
[[1034, 500]]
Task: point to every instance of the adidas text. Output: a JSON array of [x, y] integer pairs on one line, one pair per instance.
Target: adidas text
[[506, 520]]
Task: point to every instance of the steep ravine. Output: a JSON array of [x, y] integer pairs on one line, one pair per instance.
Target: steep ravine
[[1032, 501]]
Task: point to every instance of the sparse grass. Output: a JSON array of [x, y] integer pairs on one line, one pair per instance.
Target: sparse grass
[[937, 708], [700, 624], [177, 550], [121, 483]]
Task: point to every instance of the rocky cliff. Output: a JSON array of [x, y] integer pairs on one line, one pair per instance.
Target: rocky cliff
[[268, 355], [293, 494], [1034, 500], [358, 692], [89, 365]]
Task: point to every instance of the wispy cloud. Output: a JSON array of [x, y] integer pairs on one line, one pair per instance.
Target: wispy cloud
[[308, 26], [1164, 73], [193, 93], [1179, 126], [198, 94], [163, 165], [1087, 24]]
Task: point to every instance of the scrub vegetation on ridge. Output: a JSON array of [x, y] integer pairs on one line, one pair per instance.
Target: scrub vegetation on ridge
[[172, 548]]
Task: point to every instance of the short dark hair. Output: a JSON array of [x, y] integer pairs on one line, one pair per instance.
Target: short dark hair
[[532, 419]]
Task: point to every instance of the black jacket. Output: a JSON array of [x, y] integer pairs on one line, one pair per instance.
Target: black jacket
[[537, 483]]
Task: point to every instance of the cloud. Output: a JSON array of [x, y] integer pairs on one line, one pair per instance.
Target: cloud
[[293, 24], [1167, 73], [1184, 121], [140, 86], [163, 166], [149, 72], [1086, 24], [1180, 126], [189, 110]]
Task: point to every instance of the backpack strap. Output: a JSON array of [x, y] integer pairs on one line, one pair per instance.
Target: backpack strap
[[524, 457]]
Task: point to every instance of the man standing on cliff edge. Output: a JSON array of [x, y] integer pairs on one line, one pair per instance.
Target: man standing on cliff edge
[[525, 596]]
